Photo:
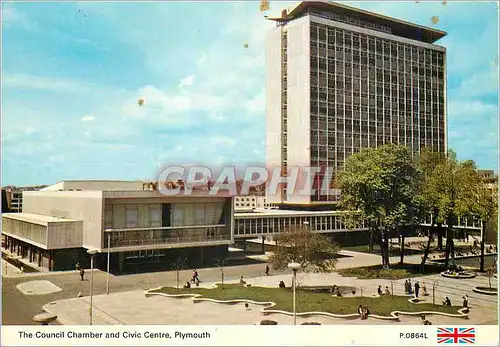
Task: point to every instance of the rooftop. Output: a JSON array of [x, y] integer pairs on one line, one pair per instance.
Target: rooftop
[[398, 27], [37, 218], [284, 213]]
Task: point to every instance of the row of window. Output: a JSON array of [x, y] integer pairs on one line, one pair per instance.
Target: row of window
[[324, 33], [428, 58]]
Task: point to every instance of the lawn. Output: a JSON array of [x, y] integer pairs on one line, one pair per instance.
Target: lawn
[[396, 271], [395, 251], [308, 301]]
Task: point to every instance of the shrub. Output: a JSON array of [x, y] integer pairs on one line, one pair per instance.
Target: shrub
[[268, 322]]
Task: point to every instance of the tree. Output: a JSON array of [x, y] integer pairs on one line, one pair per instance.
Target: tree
[[311, 250], [456, 187], [429, 196], [179, 265], [381, 184], [487, 210], [220, 264]]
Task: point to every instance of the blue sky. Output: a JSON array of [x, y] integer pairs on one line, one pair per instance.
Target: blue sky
[[72, 74]]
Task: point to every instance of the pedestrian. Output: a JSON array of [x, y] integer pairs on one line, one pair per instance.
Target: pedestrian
[[379, 290], [424, 289], [267, 270], [417, 288], [466, 301], [406, 287], [82, 273], [410, 287], [77, 266], [22, 269], [360, 311], [195, 277], [387, 291]]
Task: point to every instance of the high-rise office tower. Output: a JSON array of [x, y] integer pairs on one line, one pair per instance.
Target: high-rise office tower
[[340, 79]]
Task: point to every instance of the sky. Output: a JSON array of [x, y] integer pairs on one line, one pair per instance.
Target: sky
[[72, 74]]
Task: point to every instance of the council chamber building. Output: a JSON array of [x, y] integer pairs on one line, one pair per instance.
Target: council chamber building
[[340, 79]]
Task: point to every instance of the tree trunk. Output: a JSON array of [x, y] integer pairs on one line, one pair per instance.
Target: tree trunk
[[426, 252], [449, 240], [384, 248], [440, 241], [402, 256], [483, 234], [370, 246], [387, 260]]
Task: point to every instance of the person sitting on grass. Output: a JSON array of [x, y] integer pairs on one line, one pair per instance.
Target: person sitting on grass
[[387, 292], [360, 311], [187, 285], [447, 301], [242, 282], [282, 284]]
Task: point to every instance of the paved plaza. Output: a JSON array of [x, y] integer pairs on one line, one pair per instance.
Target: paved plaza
[[133, 308], [127, 303]]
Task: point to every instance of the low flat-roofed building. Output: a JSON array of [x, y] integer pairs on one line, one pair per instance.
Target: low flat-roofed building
[[145, 226]]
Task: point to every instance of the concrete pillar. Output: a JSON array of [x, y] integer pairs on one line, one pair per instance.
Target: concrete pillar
[[244, 246], [39, 257], [263, 245], [121, 260], [50, 261]]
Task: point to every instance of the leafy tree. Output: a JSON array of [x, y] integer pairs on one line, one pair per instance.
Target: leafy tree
[[456, 188], [381, 184], [487, 210], [311, 250], [429, 196]]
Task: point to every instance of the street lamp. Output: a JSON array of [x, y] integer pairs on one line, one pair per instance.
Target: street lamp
[[92, 252], [294, 267], [107, 266]]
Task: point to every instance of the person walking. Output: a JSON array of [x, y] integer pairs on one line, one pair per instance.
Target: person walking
[[82, 273], [466, 301], [417, 288], [424, 289], [267, 270]]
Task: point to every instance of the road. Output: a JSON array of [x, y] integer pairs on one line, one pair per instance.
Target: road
[[19, 309]]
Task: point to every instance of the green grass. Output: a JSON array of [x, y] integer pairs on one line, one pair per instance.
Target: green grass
[[376, 250], [308, 301], [396, 271]]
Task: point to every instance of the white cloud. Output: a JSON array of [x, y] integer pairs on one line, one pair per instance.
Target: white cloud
[[257, 104], [12, 16], [25, 81], [223, 141], [87, 118], [216, 117], [187, 81], [29, 131]]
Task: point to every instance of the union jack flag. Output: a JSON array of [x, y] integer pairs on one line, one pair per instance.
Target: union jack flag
[[456, 335]]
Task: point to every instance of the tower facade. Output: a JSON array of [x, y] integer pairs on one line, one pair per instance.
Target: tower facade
[[340, 79]]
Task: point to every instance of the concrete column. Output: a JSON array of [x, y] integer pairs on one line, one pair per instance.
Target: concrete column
[[50, 261], [263, 245], [39, 257]]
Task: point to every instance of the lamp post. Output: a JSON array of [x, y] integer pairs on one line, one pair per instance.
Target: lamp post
[[92, 252], [107, 266], [294, 267]]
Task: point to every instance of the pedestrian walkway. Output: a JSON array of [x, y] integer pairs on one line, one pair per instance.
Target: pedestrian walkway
[[134, 308]]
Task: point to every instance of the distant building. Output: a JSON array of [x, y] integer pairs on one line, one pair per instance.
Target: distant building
[[250, 202], [14, 196], [489, 178], [61, 222]]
